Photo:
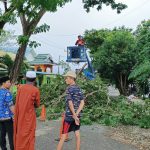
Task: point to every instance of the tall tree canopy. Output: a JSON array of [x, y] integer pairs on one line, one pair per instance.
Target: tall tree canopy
[[141, 71], [113, 53]]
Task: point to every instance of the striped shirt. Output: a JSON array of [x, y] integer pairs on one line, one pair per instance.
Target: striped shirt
[[74, 94]]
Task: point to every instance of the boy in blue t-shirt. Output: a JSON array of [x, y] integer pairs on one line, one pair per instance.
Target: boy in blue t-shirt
[[74, 106], [6, 113]]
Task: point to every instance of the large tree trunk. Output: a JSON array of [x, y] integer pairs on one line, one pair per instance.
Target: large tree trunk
[[2, 23], [122, 84], [18, 61], [27, 31]]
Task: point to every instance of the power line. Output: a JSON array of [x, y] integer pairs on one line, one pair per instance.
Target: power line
[[63, 34], [112, 22], [133, 10], [51, 45]]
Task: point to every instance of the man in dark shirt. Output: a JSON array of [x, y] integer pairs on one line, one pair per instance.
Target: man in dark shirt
[[74, 106]]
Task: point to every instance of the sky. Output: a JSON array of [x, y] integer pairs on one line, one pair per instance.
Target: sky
[[72, 20]]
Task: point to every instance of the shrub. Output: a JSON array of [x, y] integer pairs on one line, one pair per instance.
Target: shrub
[[99, 108]]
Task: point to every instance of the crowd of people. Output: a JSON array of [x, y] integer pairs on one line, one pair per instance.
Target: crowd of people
[[18, 120]]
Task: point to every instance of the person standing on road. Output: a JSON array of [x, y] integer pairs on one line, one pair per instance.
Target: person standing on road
[[74, 106], [28, 98], [6, 113]]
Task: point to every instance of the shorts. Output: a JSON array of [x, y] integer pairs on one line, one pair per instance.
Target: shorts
[[69, 126]]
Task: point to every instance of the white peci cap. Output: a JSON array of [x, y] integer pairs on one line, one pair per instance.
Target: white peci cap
[[31, 74]]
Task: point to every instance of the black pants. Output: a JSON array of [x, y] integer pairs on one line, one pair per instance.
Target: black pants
[[6, 127]]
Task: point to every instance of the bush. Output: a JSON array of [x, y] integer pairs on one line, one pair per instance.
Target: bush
[[98, 107], [51, 94], [122, 112]]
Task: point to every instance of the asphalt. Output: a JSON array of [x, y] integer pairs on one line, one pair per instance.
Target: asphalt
[[93, 137]]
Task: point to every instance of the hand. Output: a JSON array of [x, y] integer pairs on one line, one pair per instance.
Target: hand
[[77, 121], [77, 114]]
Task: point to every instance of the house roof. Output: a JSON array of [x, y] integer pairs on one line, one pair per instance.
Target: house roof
[[3, 53], [14, 49], [45, 59]]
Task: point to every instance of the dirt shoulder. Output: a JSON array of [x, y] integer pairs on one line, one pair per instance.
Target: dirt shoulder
[[132, 135]]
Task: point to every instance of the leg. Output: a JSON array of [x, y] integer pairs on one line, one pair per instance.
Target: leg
[[9, 129], [77, 134], [2, 136], [32, 143], [61, 142]]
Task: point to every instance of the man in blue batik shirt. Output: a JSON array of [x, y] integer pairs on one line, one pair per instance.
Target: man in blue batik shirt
[[6, 113]]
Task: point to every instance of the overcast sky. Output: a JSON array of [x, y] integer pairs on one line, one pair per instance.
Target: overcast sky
[[71, 20]]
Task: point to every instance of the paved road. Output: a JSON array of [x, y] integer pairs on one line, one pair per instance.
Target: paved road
[[93, 138]]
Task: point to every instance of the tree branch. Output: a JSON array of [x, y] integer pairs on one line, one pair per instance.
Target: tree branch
[[81, 69], [57, 100], [5, 5], [7, 10], [89, 94], [35, 21], [24, 23]]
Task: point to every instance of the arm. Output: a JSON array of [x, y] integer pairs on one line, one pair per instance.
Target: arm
[[80, 107], [72, 108], [76, 42], [77, 121], [12, 108], [37, 101]]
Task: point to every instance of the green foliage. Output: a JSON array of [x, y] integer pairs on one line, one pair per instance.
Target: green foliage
[[34, 44], [113, 53], [119, 111], [51, 95], [50, 92], [5, 36], [24, 67], [7, 61], [7, 16], [28, 5], [141, 71], [98, 107], [22, 39], [85, 120], [42, 28], [118, 6], [132, 114]]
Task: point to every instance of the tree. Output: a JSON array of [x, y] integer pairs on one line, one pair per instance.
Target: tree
[[6, 62], [118, 6], [7, 14], [141, 70], [7, 38], [30, 13], [113, 55]]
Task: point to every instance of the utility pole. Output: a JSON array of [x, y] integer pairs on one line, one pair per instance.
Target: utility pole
[[58, 65]]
